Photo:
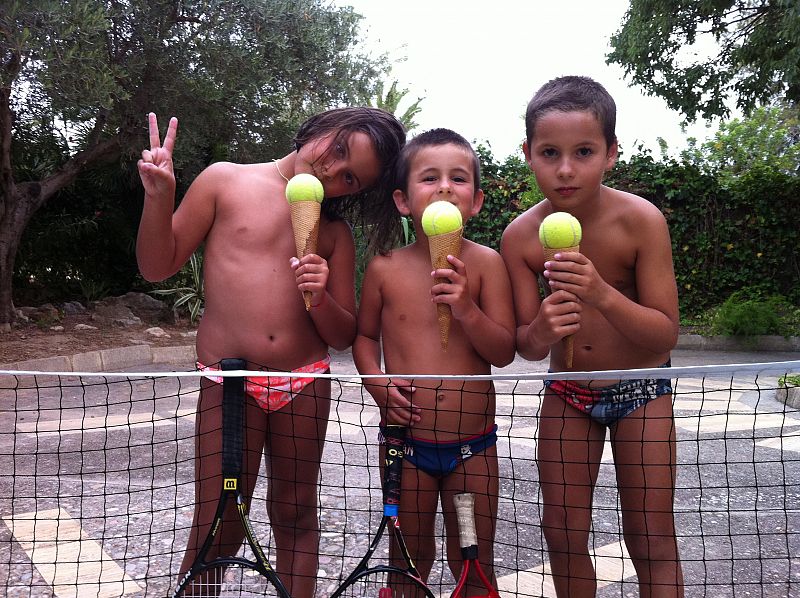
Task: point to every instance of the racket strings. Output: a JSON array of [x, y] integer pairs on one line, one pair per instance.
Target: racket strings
[[385, 584], [229, 581]]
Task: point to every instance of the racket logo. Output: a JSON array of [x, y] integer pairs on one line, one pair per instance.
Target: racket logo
[[229, 483]]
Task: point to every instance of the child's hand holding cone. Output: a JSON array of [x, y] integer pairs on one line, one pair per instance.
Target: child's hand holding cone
[[442, 224], [561, 232], [304, 193]]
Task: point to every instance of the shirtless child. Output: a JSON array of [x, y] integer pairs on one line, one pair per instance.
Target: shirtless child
[[451, 431], [254, 307], [619, 299]]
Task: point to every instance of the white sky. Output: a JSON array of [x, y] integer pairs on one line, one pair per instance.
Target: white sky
[[477, 64]]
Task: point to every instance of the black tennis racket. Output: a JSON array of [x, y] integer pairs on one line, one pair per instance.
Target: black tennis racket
[[231, 575], [465, 511], [387, 581]]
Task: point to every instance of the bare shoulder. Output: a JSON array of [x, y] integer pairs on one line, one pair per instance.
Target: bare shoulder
[[630, 214], [221, 176], [634, 206], [480, 254], [381, 264], [520, 229]]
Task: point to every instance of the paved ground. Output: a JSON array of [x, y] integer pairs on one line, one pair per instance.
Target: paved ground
[[96, 482]]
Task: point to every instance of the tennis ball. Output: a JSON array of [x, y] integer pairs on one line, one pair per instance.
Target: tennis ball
[[560, 229], [440, 217], [304, 187]]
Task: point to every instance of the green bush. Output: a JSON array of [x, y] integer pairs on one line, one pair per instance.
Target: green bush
[[743, 316]]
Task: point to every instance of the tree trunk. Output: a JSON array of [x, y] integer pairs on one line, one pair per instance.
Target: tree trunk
[[20, 206], [21, 201]]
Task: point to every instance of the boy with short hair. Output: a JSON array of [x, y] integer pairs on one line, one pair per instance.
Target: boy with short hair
[[618, 297], [452, 436]]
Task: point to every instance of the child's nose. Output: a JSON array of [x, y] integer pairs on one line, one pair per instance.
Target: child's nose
[[565, 168], [444, 188]]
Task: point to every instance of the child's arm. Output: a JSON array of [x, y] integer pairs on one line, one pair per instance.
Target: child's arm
[[331, 284], [489, 324], [166, 240], [539, 323], [391, 394], [651, 319]]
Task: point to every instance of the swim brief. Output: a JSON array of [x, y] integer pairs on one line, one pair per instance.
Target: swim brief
[[440, 458], [272, 393], [609, 404]]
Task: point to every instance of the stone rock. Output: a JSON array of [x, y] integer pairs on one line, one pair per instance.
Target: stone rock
[[73, 308], [157, 332], [140, 305], [115, 313], [147, 307], [85, 327]]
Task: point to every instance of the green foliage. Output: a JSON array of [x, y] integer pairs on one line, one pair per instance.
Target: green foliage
[[769, 137], [663, 46], [390, 101], [82, 75], [743, 316], [188, 293], [81, 244], [508, 191], [789, 380], [724, 239]]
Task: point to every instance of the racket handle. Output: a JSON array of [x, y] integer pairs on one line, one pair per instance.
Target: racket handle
[[465, 511], [385, 593], [395, 438]]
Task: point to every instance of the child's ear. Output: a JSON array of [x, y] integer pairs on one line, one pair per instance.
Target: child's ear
[[612, 155], [526, 150], [401, 201], [477, 202]]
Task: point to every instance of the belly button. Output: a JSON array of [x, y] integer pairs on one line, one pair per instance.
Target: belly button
[[440, 396], [272, 338]]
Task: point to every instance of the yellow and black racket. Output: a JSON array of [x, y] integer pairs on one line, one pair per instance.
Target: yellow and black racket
[[387, 581], [231, 575], [465, 511]]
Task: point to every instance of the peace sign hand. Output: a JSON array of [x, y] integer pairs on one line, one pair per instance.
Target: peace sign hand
[[155, 167]]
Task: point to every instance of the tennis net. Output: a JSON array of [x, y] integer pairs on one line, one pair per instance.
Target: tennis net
[[97, 493]]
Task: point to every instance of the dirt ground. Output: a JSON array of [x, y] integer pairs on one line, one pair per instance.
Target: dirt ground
[[30, 341]]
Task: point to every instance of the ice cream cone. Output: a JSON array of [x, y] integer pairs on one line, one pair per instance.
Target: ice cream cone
[[440, 247], [569, 341], [305, 224]]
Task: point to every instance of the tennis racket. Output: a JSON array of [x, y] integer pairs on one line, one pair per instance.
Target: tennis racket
[[231, 575], [465, 511], [387, 581]]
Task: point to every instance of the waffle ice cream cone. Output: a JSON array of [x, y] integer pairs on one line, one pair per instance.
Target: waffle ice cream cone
[[569, 341], [440, 247], [305, 224]]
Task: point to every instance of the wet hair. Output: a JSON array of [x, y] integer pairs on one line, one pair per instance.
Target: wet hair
[[373, 207], [433, 138], [571, 94]]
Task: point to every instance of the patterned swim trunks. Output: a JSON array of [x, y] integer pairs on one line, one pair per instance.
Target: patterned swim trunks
[[609, 404]]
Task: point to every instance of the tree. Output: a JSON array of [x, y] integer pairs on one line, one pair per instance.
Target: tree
[[757, 44], [769, 137], [78, 77], [391, 101]]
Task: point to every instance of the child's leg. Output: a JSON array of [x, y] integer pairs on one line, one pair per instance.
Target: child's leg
[[419, 501], [478, 475], [570, 447], [295, 439], [644, 455], [208, 474]]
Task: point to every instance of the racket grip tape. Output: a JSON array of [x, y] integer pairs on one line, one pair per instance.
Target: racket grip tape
[[395, 439], [232, 418], [465, 511]]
